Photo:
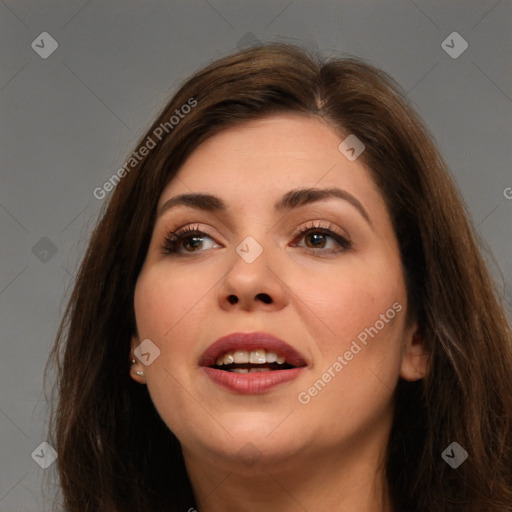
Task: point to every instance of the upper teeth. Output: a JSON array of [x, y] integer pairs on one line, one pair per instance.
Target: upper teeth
[[259, 356]]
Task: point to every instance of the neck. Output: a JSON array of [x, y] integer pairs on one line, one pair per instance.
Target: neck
[[351, 480]]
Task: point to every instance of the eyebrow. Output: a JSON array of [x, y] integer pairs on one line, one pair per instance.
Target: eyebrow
[[293, 199]]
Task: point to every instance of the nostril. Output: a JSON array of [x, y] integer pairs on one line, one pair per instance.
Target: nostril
[[265, 298]]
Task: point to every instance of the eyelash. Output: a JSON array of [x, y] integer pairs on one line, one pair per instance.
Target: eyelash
[[174, 238]]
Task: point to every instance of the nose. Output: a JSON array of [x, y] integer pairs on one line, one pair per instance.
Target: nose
[[250, 285]]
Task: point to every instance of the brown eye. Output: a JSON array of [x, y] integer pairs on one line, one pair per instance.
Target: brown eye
[[189, 237], [317, 236]]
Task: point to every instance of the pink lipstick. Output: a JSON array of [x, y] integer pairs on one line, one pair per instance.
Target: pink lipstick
[[251, 363]]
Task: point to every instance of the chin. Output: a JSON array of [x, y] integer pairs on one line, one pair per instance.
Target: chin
[[253, 441]]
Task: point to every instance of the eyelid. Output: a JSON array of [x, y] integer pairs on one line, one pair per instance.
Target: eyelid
[[321, 225]]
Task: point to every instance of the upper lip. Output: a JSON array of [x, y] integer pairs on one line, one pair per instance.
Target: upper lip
[[251, 341]]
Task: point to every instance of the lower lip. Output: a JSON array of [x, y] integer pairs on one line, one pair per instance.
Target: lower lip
[[251, 383]]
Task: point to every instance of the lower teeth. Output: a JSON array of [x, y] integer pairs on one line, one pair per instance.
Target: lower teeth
[[249, 370]]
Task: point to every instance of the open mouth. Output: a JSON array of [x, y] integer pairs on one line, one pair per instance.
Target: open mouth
[[251, 361]]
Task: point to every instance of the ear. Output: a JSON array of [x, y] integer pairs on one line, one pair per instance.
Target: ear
[[414, 356], [136, 368]]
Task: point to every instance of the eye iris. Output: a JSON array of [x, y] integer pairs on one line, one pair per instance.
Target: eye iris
[[315, 235], [198, 241]]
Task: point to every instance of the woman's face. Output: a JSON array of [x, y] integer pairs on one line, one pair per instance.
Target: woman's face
[[337, 298]]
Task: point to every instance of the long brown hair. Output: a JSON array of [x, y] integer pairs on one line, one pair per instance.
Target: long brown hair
[[115, 453]]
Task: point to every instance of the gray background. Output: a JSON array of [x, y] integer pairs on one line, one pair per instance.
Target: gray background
[[68, 123]]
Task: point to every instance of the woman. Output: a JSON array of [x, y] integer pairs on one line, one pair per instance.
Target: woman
[[284, 308]]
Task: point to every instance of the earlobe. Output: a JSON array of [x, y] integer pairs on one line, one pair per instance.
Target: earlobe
[[136, 367], [414, 359]]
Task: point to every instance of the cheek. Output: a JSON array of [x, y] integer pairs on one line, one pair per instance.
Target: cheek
[[352, 298], [165, 299], [363, 310], [168, 310]]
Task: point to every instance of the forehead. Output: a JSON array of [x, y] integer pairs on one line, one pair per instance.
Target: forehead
[[265, 158]]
